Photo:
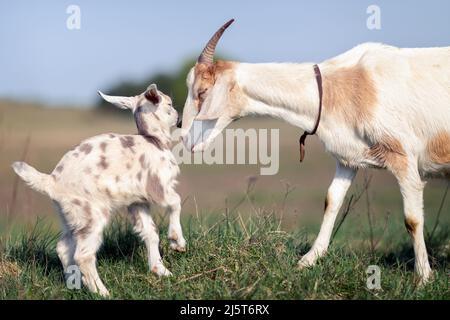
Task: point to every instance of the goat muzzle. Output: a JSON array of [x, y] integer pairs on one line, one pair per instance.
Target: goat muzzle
[[179, 122]]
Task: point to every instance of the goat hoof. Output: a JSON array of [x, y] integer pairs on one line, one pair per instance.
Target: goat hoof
[[422, 281], [177, 247], [304, 263], [161, 271], [104, 293]]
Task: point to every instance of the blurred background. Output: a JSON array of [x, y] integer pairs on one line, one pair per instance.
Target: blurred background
[[49, 75]]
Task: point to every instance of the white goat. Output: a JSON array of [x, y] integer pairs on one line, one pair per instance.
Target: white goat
[[110, 171], [383, 107]]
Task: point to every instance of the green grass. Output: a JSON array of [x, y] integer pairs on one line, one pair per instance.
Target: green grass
[[227, 258]]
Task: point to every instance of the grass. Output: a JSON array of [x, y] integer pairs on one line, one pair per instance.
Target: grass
[[227, 258], [238, 253]]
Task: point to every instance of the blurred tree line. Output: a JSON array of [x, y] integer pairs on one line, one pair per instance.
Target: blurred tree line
[[172, 84]]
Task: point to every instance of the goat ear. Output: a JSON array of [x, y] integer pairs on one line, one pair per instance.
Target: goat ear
[[121, 102], [152, 94]]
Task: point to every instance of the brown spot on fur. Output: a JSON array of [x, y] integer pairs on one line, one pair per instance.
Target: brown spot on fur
[[127, 142], [103, 146], [141, 124], [108, 193], [204, 80], [173, 236], [105, 213], [389, 153], [155, 141], [163, 158], [59, 168], [205, 77], [76, 202], [128, 165], [139, 176], [154, 188], [221, 66], [351, 93], [87, 209], [86, 148], [85, 230], [117, 179], [87, 170], [82, 232], [411, 226], [142, 160], [143, 129], [438, 148], [326, 203], [132, 212], [156, 116], [103, 164]]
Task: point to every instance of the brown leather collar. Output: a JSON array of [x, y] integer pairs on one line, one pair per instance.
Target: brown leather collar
[[306, 133]]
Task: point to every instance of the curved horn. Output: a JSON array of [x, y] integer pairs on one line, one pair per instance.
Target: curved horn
[[208, 53]]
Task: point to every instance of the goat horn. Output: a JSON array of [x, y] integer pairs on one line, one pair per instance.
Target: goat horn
[[208, 53]]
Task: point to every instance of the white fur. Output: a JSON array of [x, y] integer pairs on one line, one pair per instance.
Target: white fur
[[413, 104], [108, 172]]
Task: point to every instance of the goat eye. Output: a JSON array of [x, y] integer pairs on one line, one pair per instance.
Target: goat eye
[[202, 93]]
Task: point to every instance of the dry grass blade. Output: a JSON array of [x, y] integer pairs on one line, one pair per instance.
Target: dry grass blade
[[369, 218], [351, 204], [8, 268], [243, 225], [288, 190], [386, 220], [430, 237], [203, 273]]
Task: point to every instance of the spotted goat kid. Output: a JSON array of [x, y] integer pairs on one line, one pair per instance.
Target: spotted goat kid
[[110, 171]]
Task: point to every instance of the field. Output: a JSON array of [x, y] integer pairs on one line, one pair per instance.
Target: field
[[228, 259], [245, 232]]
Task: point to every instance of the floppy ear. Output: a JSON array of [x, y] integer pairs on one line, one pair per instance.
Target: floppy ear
[[152, 94], [121, 102], [216, 102]]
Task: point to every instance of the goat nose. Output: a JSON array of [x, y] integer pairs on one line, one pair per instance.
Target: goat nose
[[179, 122]]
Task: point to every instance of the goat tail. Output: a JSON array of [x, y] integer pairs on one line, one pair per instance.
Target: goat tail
[[38, 181]]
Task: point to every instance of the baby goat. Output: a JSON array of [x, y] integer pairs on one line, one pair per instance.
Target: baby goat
[[110, 171]]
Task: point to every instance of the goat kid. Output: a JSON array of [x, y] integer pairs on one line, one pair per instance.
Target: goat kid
[[383, 107], [110, 171]]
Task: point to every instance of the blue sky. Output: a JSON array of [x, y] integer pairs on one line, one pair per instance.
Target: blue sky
[[41, 60]]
